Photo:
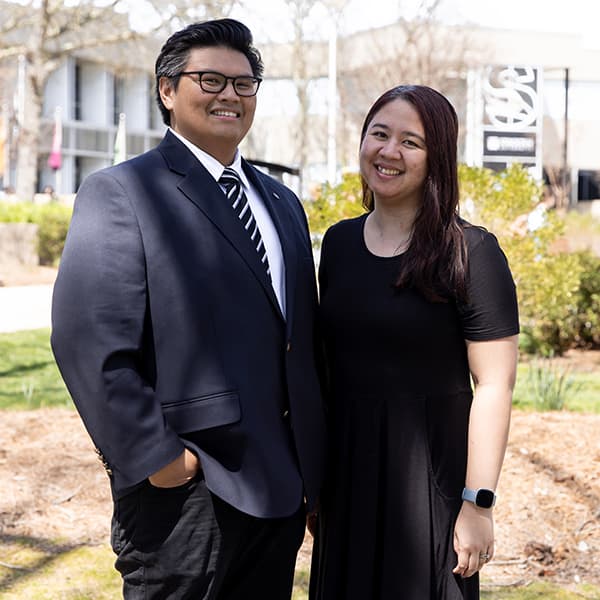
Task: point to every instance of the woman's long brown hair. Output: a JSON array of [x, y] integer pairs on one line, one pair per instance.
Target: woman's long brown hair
[[436, 261]]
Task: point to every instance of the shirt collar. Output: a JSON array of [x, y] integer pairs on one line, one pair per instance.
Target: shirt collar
[[211, 164]]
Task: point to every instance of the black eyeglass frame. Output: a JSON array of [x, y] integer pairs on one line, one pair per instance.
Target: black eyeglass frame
[[226, 79]]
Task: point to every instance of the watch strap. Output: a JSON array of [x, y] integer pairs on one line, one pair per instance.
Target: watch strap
[[481, 497], [469, 495]]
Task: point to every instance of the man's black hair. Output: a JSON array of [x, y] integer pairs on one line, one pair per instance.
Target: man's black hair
[[174, 54]]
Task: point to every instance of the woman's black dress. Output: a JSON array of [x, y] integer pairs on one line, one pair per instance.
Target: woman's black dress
[[399, 410]]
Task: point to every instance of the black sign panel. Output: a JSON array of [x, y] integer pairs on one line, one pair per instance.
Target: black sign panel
[[509, 143]]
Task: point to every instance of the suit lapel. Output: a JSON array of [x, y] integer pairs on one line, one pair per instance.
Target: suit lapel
[[281, 216], [200, 188]]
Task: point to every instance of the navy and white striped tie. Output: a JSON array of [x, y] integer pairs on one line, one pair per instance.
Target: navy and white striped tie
[[232, 186]]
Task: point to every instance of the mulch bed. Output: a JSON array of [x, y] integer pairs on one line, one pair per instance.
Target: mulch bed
[[547, 517]]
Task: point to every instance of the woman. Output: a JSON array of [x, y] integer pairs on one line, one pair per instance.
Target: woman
[[414, 303]]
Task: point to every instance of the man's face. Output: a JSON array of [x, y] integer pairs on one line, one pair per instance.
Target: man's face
[[216, 123]]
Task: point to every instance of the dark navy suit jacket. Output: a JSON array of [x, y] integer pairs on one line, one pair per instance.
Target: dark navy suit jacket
[[166, 330]]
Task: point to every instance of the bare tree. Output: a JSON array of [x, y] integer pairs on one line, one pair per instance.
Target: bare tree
[[558, 189], [417, 50], [41, 35], [300, 11], [411, 50], [307, 135], [302, 60]]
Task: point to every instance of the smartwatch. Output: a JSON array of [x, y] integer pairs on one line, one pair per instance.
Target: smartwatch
[[482, 497]]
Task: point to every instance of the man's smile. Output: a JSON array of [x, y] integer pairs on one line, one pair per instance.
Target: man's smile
[[220, 112]]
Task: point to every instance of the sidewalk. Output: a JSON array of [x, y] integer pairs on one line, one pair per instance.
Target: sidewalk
[[25, 307]]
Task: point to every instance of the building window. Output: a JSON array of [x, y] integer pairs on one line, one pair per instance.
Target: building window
[[588, 185], [77, 103]]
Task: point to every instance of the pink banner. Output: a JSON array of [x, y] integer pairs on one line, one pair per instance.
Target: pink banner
[[55, 158]]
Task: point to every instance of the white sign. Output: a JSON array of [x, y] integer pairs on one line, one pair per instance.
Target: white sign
[[512, 117]]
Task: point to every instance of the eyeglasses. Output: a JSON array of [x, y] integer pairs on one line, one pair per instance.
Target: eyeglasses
[[213, 82]]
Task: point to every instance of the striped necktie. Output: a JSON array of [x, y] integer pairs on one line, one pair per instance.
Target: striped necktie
[[232, 186]]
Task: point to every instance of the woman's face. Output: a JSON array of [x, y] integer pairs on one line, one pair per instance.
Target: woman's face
[[393, 155]]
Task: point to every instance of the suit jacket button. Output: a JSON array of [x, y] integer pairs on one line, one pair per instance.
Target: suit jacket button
[[103, 461], [286, 414], [288, 347]]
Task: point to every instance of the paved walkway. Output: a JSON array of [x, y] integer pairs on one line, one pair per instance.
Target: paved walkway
[[25, 307]]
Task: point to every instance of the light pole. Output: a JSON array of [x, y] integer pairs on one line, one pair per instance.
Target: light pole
[[332, 104], [565, 166]]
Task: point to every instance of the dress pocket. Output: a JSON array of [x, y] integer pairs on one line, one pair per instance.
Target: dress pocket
[[447, 434], [203, 412]]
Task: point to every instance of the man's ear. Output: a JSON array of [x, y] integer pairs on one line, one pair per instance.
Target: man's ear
[[167, 91]]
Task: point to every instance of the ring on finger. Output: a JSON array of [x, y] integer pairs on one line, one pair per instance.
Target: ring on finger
[[484, 557]]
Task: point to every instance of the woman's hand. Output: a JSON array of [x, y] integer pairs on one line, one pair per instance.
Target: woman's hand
[[473, 539], [312, 519]]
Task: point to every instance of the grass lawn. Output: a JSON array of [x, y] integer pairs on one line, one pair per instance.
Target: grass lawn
[[29, 377], [42, 570], [586, 395], [580, 391], [543, 591]]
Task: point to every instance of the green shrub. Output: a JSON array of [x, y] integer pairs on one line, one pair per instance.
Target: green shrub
[[52, 221], [16, 212], [329, 204], [547, 279], [587, 319]]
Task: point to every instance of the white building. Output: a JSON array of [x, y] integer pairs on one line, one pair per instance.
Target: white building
[[91, 98]]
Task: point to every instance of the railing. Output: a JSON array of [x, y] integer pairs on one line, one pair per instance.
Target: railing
[[85, 139]]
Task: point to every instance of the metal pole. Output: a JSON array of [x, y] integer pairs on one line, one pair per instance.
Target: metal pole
[[332, 104], [565, 167], [6, 146]]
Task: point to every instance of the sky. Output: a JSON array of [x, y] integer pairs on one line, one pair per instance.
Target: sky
[[269, 18]]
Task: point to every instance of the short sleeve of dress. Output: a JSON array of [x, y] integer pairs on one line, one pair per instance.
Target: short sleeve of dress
[[491, 311]]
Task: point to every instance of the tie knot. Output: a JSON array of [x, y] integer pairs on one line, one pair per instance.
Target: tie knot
[[230, 179], [229, 175]]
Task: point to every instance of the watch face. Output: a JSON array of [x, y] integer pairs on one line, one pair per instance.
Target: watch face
[[485, 498]]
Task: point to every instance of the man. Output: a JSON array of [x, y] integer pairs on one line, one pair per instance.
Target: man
[[183, 325]]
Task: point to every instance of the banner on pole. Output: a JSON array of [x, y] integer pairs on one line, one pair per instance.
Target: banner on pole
[[55, 158], [120, 149]]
